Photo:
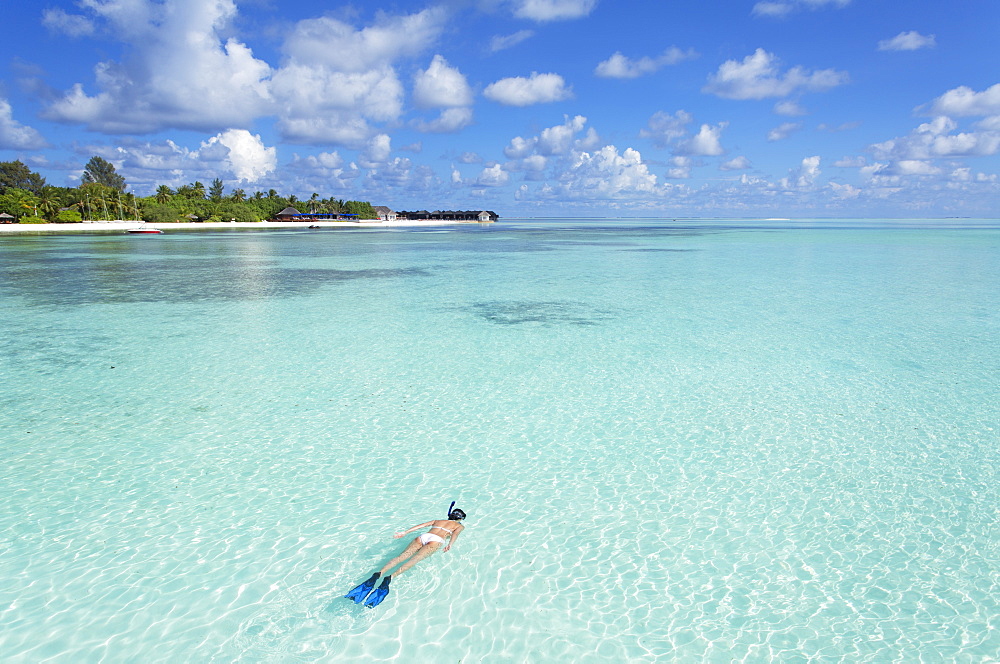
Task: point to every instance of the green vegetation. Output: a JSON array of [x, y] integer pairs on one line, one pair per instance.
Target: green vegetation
[[68, 216], [102, 195], [15, 175], [101, 171]]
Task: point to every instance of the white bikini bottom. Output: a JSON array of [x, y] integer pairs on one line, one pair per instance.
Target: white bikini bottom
[[430, 537]]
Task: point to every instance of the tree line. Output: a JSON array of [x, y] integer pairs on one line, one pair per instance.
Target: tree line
[[102, 196]]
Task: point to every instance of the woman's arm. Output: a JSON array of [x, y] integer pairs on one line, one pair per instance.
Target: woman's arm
[[407, 532], [454, 537]]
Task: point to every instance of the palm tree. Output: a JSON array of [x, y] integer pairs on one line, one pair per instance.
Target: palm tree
[[271, 193], [163, 194], [238, 195], [185, 209], [26, 200], [257, 195], [98, 197], [132, 207], [312, 202], [81, 203], [216, 190], [198, 189], [48, 201]]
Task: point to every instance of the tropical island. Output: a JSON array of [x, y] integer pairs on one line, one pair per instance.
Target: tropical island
[[25, 198]]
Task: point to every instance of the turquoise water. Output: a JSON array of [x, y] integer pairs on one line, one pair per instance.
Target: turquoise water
[[676, 441]]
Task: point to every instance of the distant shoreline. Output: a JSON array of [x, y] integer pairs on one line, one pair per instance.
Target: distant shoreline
[[122, 226]]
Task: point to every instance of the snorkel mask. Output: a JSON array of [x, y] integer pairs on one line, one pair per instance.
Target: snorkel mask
[[455, 514]]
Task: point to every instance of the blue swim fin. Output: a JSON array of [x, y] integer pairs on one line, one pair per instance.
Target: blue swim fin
[[360, 592], [379, 593]]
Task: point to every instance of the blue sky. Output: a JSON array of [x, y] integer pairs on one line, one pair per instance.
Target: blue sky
[[750, 108]]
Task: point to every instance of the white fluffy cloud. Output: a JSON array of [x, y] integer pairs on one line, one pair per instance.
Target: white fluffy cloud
[[400, 173], [180, 73], [339, 46], [680, 168], [907, 41], [664, 128], [553, 10], [706, 143], [519, 147], [441, 86], [331, 95], [184, 70], [377, 151], [991, 123], [324, 171], [493, 176], [233, 155], [844, 191], [556, 140], [449, 121], [333, 128], [937, 139], [14, 135], [559, 139], [248, 159], [445, 87], [758, 77], [803, 177], [667, 130], [783, 131], [620, 66], [964, 102], [608, 174], [915, 167], [536, 163], [736, 164], [327, 161], [536, 89], [568, 155]]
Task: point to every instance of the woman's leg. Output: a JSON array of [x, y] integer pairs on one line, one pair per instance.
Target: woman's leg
[[423, 552], [407, 552]]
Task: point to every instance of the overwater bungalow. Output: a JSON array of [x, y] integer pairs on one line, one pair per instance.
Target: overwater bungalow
[[451, 215]]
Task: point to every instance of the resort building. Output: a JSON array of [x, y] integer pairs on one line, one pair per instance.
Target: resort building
[[291, 214], [288, 214], [451, 215], [384, 213]]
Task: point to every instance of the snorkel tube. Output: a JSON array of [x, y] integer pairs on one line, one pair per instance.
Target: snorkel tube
[[454, 514]]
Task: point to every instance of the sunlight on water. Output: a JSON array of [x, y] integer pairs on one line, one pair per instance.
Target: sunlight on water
[[688, 441]]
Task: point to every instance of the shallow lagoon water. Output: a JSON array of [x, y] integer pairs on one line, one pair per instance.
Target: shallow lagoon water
[[676, 441]]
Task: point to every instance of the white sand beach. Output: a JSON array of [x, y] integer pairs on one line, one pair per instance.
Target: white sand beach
[[106, 226]]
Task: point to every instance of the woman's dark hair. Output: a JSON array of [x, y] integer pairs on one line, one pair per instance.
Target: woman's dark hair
[[455, 514]]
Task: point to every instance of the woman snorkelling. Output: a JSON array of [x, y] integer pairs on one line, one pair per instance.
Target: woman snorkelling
[[421, 547]]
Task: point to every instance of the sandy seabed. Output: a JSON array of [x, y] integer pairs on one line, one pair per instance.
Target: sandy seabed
[[106, 226]]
